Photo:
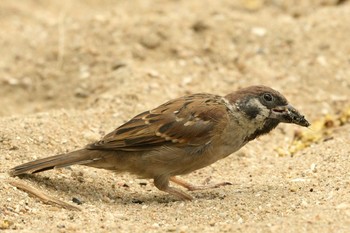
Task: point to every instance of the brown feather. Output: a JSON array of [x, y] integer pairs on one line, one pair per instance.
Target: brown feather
[[62, 160], [186, 121]]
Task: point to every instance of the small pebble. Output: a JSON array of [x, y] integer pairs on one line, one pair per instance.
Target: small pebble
[[150, 41], [259, 31], [199, 26], [60, 226], [143, 183], [313, 168], [81, 93], [136, 201], [77, 201]]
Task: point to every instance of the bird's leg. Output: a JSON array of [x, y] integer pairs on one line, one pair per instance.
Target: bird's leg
[[192, 187], [162, 183]]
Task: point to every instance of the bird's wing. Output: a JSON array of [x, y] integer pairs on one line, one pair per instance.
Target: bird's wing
[[186, 121]]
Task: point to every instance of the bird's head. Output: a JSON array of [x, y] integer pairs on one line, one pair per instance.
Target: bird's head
[[266, 108]]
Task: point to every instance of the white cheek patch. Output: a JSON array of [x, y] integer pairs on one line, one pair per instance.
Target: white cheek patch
[[263, 113]]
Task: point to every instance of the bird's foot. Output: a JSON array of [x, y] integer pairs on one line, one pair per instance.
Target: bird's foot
[[192, 187]]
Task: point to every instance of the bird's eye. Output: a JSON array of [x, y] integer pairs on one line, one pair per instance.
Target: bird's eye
[[268, 97]]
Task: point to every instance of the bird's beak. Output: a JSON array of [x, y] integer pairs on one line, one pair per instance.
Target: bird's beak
[[288, 114]]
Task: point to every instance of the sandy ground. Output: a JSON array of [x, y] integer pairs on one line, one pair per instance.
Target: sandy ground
[[71, 71]]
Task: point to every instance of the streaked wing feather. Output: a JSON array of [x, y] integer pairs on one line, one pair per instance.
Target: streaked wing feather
[[189, 120]]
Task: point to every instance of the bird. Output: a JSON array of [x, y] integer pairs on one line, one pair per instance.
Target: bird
[[180, 136]]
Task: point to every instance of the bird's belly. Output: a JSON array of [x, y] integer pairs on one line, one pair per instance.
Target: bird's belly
[[180, 164]]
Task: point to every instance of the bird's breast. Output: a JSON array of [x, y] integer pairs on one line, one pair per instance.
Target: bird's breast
[[233, 137]]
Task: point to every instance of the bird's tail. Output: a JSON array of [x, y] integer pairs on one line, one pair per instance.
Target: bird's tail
[[81, 157]]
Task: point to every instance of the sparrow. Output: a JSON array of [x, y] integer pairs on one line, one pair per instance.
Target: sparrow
[[180, 136]]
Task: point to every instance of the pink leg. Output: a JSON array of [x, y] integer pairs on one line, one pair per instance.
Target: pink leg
[[162, 183], [192, 187]]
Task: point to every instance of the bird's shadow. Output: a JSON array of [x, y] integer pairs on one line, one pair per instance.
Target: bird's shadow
[[91, 192], [94, 192]]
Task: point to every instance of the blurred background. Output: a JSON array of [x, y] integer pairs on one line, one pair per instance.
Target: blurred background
[[134, 55]]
